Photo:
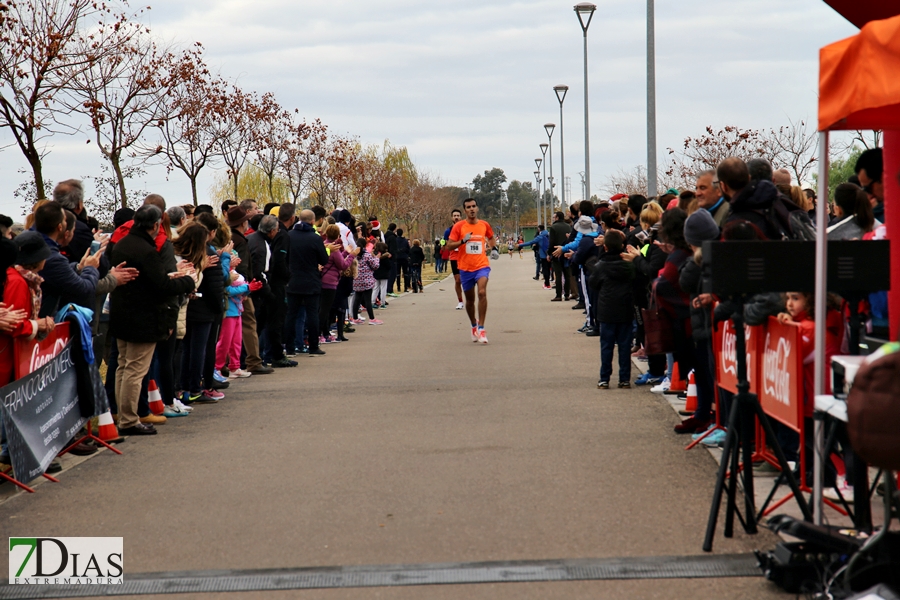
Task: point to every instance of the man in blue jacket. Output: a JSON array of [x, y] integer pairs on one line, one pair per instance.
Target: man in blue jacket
[[64, 282], [542, 240]]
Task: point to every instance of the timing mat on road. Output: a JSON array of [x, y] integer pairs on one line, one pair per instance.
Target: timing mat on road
[[654, 567]]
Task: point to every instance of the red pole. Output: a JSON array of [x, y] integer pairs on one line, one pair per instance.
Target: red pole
[[892, 222]]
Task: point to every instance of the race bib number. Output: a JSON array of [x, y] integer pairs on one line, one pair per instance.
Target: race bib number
[[474, 247]]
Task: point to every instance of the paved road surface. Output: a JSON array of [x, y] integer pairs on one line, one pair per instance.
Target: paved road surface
[[411, 444]]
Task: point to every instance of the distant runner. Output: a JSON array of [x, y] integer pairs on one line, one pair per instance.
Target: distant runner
[[475, 237], [456, 215]]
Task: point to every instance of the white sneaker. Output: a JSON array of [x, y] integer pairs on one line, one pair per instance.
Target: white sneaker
[[475, 334], [663, 387], [460, 306], [179, 406], [239, 373], [482, 337], [846, 492]]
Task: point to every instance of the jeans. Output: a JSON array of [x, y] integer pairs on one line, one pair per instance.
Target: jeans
[[612, 335], [193, 355], [403, 273], [303, 312], [537, 265]]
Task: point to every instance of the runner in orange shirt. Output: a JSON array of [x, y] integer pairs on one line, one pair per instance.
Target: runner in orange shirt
[[475, 239], [456, 215]]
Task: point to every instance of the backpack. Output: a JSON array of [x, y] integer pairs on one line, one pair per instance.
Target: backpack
[[787, 221]]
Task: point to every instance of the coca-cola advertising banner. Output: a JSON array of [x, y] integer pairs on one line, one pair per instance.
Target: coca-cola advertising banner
[[40, 413], [781, 393], [31, 355], [725, 351]]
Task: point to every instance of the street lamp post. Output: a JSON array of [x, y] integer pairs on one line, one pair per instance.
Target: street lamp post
[[549, 127], [561, 96], [539, 179], [544, 148], [585, 12], [651, 101]]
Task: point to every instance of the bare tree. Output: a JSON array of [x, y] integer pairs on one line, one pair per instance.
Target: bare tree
[[42, 47], [330, 166], [296, 164], [634, 181], [236, 118], [711, 148], [121, 94], [186, 121], [271, 137], [795, 147]]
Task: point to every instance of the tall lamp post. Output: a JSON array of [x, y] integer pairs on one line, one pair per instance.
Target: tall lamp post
[[549, 127], [538, 180], [561, 96], [651, 101], [585, 12], [547, 182]]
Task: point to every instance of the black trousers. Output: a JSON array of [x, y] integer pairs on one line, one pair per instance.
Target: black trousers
[[326, 301], [303, 313], [403, 272], [563, 279], [271, 320], [363, 298], [545, 271], [209, 361]]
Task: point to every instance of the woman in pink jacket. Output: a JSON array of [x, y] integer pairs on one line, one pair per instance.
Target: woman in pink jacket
[[338, 260]]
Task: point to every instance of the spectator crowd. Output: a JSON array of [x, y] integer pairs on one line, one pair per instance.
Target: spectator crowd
[[633, 257], [184, 302]]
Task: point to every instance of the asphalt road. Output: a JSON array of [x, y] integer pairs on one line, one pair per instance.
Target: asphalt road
[[411, 444]]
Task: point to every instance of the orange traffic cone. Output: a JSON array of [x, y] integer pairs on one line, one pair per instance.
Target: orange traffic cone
[[155, 398], [106, 428], [691, 394], [676, 382]]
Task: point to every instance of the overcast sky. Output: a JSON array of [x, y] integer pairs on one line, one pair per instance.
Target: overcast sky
[[466, 85]]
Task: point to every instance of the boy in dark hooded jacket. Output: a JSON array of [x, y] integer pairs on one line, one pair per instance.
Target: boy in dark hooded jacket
[[612, 278]]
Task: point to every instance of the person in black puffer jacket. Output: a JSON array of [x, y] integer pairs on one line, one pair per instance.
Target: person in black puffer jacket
[[612, 278], [416, 258]]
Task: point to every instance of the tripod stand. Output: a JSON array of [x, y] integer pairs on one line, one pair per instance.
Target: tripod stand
[[738, 451]]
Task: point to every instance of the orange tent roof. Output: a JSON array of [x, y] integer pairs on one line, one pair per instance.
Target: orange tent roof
[[859, 86]]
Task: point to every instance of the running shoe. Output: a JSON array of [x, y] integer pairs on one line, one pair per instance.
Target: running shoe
[[173, 411], [648, 379], [376, 322], [460, 306], [482, 337], [393, 295], [715, 438], [214, 394], [219, 377], [475, 334], [182, 406], [602, 385], [663, 386], [322, 340], [239, 373], [547, 287]]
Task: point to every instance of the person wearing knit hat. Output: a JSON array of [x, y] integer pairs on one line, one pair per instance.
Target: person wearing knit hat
[[700, 227]]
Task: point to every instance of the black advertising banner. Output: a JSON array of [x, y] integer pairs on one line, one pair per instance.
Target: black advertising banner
[[40, 414]]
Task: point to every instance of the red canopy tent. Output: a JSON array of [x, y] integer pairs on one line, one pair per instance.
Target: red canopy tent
[[859, 89]]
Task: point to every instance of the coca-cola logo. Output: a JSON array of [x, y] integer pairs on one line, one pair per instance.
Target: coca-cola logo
[[776, 370], [728, 355], [41, 356]]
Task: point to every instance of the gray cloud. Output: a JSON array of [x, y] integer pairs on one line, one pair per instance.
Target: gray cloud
[[467, 85]]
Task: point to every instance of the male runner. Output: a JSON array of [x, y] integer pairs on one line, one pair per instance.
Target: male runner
[[475, 237], [456, 215]]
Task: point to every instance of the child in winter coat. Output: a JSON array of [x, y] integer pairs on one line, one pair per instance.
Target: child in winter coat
[[416, 258], [382, 275], [364, 284], [229, 345], [612, 278]]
